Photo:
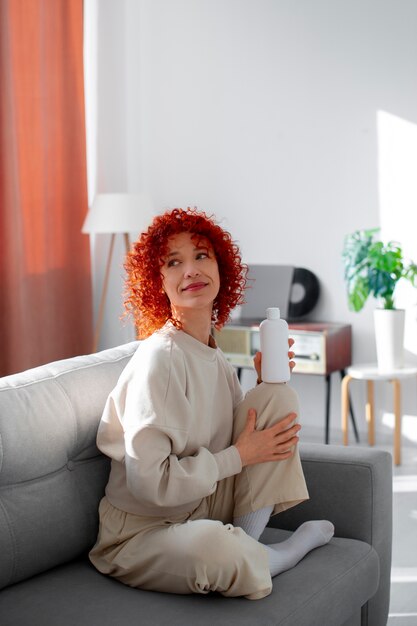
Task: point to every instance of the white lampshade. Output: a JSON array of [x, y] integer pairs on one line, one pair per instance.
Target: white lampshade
[[119, 213]]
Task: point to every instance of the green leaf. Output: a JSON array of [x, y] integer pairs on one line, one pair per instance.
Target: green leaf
[[410, 274], [373, 268], [358, 292]]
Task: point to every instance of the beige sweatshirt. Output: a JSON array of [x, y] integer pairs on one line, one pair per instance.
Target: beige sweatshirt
[[167, 425]]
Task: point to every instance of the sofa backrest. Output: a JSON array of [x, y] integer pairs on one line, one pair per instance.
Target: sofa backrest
[[52, 476]]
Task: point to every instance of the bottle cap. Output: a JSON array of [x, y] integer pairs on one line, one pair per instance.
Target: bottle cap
[[273, 313]]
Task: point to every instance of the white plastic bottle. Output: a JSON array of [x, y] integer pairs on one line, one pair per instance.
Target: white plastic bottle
[[274, 348]]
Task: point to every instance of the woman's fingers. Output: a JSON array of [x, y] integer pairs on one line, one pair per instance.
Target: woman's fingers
[[257, 363], [288, 432], [250, 421], [287, 444], [285, 423], [291, 355], [285, 431]]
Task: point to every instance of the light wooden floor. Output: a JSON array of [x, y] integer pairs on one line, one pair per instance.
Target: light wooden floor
[[403, 603]]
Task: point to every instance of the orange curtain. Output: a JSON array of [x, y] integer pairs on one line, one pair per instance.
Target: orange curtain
[[45, 284]]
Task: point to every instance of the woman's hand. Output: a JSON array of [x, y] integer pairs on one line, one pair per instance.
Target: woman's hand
[[275, 443], [257, 361]]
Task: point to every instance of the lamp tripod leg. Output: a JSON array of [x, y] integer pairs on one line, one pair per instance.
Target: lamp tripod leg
[[127, 241], [103, 295]]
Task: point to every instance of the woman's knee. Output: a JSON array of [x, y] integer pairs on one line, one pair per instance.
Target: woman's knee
[[272, 402], [222, 558], [214, 543]]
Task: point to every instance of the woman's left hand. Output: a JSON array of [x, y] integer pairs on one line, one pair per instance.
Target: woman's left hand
[[257, 360]]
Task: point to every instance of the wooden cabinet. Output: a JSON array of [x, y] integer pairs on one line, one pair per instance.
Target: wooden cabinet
[[320, 347]]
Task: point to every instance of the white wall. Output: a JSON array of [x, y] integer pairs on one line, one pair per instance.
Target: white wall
[[109, 136], [268, 114]]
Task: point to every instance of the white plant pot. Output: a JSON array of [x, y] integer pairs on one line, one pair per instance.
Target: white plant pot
[[389, 336]]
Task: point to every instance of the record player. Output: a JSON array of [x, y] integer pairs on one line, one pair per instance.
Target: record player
[[320, 347]]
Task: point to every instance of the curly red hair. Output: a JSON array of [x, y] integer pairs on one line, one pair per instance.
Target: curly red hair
[[145, 299]]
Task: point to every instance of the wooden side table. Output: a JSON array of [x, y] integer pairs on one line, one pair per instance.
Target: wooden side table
[[370, 374]]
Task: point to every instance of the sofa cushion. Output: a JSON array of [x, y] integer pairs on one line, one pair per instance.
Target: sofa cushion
[[326, 587], [51, 474]]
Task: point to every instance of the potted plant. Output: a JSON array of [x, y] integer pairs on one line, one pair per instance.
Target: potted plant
[[373, 268]]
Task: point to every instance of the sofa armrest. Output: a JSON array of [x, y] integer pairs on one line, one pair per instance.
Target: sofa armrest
[[351, 487]]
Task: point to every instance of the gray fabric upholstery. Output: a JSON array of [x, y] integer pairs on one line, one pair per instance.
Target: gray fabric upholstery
[[51, 474], [331, 578], [357, 499], [51, 480]]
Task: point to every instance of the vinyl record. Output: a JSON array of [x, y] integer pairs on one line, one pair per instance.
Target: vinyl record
[[305, 291]]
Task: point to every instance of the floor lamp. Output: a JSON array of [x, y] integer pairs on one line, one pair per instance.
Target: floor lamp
[[115, 213]]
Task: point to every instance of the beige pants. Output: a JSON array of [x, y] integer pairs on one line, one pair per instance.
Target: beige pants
[[202, 551]]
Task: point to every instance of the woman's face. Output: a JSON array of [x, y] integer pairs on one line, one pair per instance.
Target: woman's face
[[190, 274]]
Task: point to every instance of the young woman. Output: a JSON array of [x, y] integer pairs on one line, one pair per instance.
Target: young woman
[[197, 469]]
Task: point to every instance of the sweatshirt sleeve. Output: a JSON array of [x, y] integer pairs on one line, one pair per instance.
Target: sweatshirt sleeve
[[162, 469], [156, 476], [234, 383]]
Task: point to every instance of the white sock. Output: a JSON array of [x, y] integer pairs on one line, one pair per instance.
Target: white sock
[[254, 523], [310, 535]]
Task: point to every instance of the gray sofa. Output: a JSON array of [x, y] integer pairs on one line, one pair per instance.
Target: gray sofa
[[52, 478]]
